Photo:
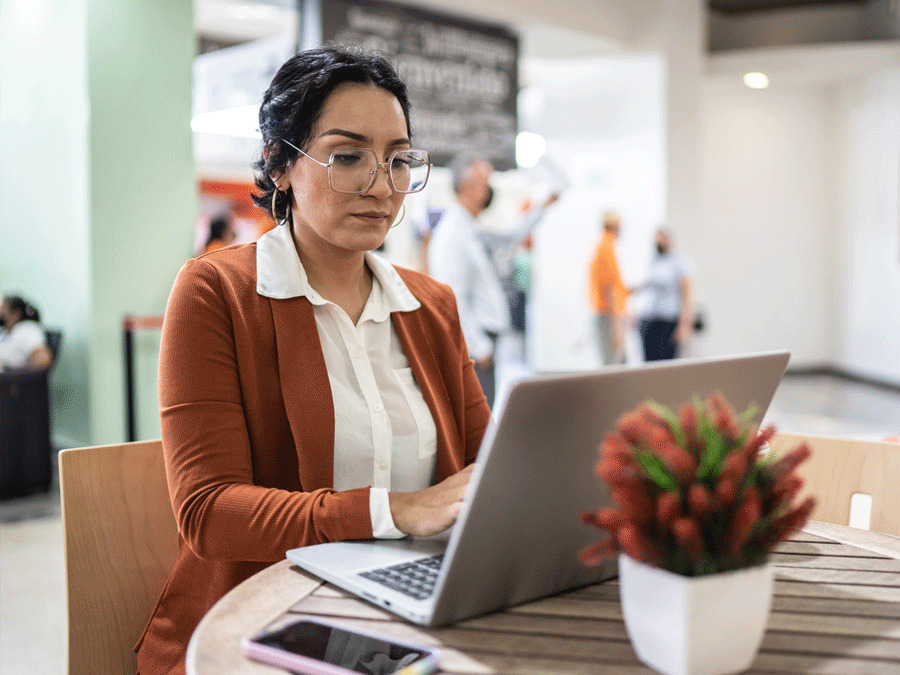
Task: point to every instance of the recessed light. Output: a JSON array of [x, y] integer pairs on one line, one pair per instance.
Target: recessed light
[[756, 80], [530, 147]]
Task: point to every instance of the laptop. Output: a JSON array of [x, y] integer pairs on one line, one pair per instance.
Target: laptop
[[519, 534]]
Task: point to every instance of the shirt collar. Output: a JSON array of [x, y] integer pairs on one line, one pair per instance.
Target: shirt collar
[[280, 275]]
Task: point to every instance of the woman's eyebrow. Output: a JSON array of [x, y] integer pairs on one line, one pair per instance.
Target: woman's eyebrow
[[360, 137]]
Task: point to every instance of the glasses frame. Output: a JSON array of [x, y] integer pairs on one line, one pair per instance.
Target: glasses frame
[[372, 173]]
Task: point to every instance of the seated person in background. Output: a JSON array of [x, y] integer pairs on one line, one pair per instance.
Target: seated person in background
[[23, 343], [309, 390], [221, 234]]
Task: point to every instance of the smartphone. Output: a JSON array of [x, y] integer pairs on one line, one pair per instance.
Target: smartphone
[[314, 646]]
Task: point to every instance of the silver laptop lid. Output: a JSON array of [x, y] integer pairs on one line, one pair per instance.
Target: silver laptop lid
[[520, 538]]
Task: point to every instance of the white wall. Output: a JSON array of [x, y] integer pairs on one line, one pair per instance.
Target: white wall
[[604, 121], [867, 321], [764, 247]]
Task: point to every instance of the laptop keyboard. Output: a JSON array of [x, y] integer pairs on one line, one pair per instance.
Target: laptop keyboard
[[415, 579]]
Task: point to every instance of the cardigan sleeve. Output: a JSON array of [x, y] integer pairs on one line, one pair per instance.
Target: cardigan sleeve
[[221, 513], [477, 410]]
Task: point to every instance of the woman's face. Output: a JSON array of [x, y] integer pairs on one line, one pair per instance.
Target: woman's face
[[7, 316], [326, 222]]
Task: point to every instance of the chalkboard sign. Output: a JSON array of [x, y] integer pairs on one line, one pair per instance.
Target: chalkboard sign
[[462, 75]]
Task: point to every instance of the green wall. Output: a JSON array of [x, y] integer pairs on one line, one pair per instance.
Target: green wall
[[140, 55], [97, 197], [44, 187]]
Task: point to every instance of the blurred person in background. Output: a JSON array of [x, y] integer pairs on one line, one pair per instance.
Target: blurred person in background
[[309, 390], [608, 294], [221, 234], [23, 343], [460, 255], [667, 319]]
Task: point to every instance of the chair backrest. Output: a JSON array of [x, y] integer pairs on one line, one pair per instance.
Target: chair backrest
[[121, 542], [54, 340], [840, 468]]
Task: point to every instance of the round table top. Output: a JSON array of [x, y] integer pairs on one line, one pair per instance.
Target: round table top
[[837, 602]]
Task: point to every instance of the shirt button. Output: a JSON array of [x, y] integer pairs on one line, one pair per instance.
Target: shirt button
[[357, 353], [377, 407], [382, 466]]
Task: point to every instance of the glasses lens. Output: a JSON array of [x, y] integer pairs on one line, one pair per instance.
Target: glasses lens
[[409, 170], [352, 169]]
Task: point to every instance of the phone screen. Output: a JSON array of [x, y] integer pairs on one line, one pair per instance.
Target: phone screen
[[339, 647]]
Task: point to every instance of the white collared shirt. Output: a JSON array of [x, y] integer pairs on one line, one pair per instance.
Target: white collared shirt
[[458, 258], [18, 343], [384, 435]]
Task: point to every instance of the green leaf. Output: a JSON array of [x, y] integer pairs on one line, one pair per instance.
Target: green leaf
[[743, 421], [751, 478], [656, 470], [745, 417], [671, 421], [715, 447]]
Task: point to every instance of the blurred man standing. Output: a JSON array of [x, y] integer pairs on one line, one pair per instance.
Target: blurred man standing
[[457, 258], [458, 255], [608, 294]]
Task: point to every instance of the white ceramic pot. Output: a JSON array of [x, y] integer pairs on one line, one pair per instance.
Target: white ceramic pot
[[709, 625]]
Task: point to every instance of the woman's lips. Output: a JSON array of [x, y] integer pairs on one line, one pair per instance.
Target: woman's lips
[[373, 217]]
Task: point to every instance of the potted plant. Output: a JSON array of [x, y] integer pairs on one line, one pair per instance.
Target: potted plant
[[698, 509]]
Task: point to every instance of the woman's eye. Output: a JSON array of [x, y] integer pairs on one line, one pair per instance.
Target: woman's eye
[[400, 162], [347, 158]]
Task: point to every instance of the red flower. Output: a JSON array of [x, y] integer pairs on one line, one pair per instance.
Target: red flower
[[691, 493]]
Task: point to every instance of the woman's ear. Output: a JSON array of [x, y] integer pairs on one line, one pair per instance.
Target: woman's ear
[[277, 177]]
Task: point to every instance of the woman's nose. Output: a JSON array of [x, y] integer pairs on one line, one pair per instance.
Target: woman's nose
[[381, 186]]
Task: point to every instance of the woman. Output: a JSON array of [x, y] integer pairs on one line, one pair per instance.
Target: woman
[[23, 343], [309, 391]]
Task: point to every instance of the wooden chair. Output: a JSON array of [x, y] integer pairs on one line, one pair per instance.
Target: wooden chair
[[121, 542], [840, 468]]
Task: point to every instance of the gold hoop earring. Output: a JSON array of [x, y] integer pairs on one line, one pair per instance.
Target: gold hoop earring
[[274, 197], [402, 216]]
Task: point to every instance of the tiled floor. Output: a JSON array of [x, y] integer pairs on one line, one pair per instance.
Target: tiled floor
[[828, 406], [32, 587], [32, 575]]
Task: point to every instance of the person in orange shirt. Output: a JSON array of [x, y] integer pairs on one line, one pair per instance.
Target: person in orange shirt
[[608, 294]]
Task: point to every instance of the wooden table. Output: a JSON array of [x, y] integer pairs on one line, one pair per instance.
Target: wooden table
[[836, 610]]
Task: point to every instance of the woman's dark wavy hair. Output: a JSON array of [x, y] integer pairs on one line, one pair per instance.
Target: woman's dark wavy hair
[[293, 104], [26, 310]]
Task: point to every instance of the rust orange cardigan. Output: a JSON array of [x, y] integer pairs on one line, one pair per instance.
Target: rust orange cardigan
[[248, 431]]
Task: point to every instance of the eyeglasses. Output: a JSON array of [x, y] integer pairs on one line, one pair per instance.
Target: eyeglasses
[[353, 170]]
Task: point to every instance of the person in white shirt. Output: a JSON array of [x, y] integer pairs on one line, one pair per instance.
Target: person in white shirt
[[23, 343], [309, 390], [668, 314], [459, 255]]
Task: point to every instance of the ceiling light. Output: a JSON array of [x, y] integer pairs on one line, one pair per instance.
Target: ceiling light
[[530, 147], [756, 80]]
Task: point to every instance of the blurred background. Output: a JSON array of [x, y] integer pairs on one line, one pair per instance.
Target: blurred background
[[127, 126], [765, 133]]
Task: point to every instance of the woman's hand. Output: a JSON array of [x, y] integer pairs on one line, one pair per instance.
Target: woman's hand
[[432, 510]]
